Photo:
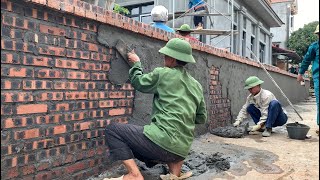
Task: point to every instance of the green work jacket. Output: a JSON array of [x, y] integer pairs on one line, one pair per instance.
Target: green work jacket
[[178, 104]]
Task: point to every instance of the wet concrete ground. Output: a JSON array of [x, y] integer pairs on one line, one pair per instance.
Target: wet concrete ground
[[253, 156]]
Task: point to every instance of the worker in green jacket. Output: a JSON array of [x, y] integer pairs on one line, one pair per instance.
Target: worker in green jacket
[[312, 57], [178, 105]]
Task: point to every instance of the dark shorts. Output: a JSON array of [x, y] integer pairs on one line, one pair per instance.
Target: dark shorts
[[127, 141], [198, 19]]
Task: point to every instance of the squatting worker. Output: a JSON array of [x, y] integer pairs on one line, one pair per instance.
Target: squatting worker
[[265, 110], [178, 105], [312, 56]]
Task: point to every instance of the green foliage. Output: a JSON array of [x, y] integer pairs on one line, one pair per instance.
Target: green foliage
[[121, 10], [300, 40]]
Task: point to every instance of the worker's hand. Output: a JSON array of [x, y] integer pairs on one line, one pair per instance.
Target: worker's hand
[[254, 128], [237, 123], [300, 77], [133, 57]]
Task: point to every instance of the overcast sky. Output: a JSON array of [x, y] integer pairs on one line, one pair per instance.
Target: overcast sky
[[308, 11]]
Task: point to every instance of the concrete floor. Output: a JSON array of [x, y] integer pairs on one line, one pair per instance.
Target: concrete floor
[[255, 157]]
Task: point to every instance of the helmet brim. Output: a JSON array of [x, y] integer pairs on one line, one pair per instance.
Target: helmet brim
[[177, 55]]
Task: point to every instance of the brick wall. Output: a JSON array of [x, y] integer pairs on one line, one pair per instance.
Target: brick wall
[[219, 107], [55, 96]]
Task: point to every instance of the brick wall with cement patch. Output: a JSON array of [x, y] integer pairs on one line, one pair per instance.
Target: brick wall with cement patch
[[56, 93]]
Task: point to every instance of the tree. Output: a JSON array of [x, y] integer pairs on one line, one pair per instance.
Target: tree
[[121, 10], [300, 40]]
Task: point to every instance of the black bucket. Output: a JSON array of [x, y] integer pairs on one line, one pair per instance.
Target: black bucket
[[297, 131]]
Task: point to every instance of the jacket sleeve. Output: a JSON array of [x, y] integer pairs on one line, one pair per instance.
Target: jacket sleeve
[[201, 114], [308, 58], [243, 112], [146, 83]]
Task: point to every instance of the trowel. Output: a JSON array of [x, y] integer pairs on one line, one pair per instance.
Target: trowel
[[123, 50]]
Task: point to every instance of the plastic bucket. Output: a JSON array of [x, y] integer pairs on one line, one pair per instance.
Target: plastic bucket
[[297, 131]]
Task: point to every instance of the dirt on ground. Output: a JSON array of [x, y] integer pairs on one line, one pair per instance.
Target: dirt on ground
[[253, 157]]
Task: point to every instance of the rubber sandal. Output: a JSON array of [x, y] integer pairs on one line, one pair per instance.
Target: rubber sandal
[[119, 178], [174, 177]]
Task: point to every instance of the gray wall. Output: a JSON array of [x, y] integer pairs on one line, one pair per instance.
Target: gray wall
[[281, 34], [232, 74]]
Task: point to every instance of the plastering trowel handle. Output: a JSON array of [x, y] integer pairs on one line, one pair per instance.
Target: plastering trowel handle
[[275, 83]]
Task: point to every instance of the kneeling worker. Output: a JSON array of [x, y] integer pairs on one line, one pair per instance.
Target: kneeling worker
[[265, 110], [178, 105]]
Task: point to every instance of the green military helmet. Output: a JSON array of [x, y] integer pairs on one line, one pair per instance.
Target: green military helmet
[[252, 81], [185, 28], [179, 49]]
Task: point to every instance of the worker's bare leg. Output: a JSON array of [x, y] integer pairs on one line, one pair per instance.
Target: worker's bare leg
[[175, 168], [134, 172]]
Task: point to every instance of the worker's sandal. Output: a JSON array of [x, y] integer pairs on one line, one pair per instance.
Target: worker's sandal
[[174, 177], [119, 178]]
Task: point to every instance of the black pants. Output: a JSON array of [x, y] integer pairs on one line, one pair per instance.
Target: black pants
[[127, 141]]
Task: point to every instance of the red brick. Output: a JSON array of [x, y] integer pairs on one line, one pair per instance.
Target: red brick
[[52, 30], [36, 84], [99, 56], [48, 73], [32, 108], [48, 119], [54, 4], [117, 94], [75, 167], [66, 85], [59, 129], [91, 15], [17, 97], [99, 76], [70, 64], [107, 103], [90, 66], [78, 75], [82, 126], [20, 72], [43, 175], [43, 2], [97, 95], [11, 173], [67, 7], [9, 58], [10, 84], [27, 134], [37, 61], [76, 95], [117, 112], [29, 169], [79, 11], [52, 96], [51, 50]]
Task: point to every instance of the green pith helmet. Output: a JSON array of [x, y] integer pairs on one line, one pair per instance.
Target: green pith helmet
[[185, 28], [179, 49], [252, 81], [317, 30]]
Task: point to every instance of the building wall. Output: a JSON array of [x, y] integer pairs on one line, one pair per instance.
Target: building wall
[[281, 34], [62, 82]]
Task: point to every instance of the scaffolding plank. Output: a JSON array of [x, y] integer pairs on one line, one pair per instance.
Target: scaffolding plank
[[212, 32]]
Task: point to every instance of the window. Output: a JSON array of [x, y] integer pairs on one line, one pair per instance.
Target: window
[[141, 12], [252, 45], [262, 52], [244, 43]]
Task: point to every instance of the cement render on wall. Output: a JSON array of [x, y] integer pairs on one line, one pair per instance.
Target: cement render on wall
[[232, 74]]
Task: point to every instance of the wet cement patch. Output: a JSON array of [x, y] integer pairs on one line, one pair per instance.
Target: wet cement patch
[[231, 131], [196, 162], [209, 159]]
